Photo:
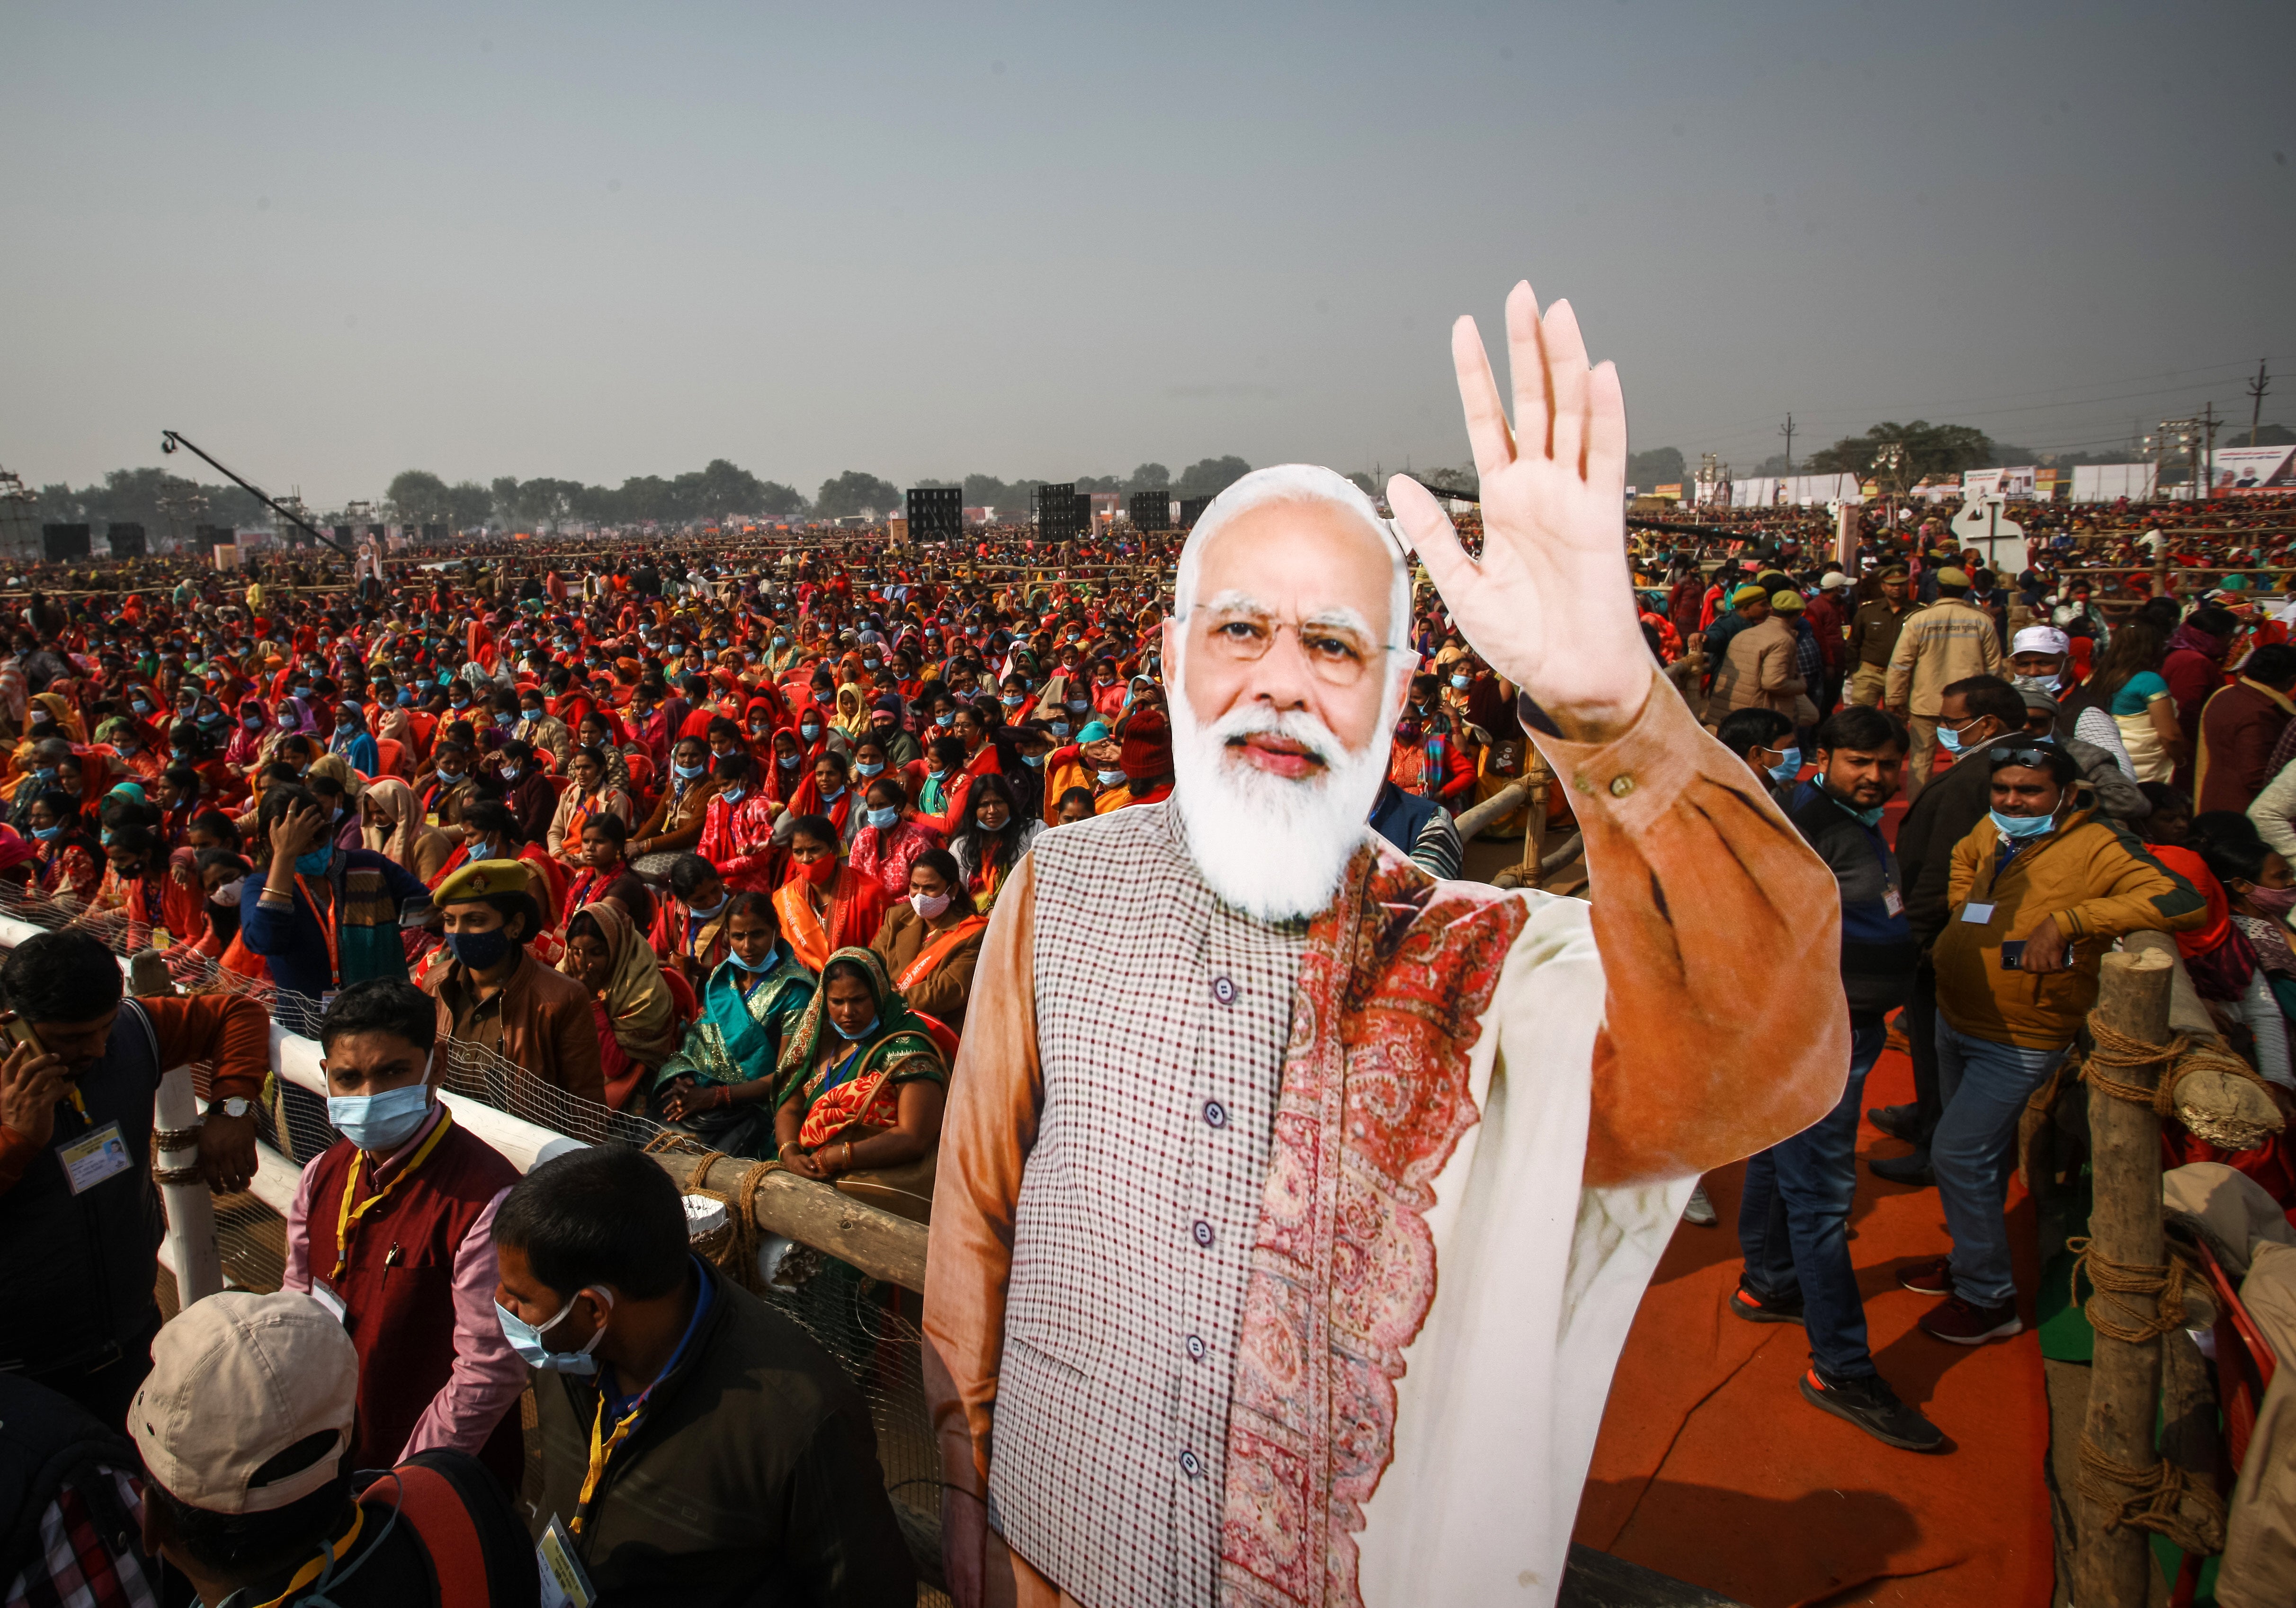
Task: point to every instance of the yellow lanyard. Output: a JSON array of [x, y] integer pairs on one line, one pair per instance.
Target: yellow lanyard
[[602, 1447], [347, 1220], [310, 1571]]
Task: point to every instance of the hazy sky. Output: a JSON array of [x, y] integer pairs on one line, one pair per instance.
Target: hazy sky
[[330, 243]]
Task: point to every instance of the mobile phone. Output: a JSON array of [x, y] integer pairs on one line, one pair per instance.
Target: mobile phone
[[2013, 955], [18, 1030]]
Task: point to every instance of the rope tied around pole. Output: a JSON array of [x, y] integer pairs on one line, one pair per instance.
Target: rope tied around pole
[[2120, 1280], [2211, 1113], [2117, 1051], [733, 1247], [2153, 1498]]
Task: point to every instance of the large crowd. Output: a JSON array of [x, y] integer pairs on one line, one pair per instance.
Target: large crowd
[[709, 831]]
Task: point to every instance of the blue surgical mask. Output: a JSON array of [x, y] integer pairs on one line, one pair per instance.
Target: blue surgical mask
[[688, 773], [788, 762], [2023, 826], [1948, 739], [1459, 682], [252, 723], [700, 913], [876, 770], [1013, 700], [854, 1038], [944, 720], [1109, 778], [732, 794], [1079, 705], [1788, 767], [141, 706], [2039, 684], [380, 1123], [810, 731], [781, 641], [314, 864], [48, 833], [884, 820], [1865, 818], [450, 777], [1059, 727], [526, 1338], [1035, 762], [179, 753], [765, 965]]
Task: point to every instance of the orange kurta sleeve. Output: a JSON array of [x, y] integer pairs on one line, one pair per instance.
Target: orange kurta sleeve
[[230, 1032], [1714, 919], [995, 1096]]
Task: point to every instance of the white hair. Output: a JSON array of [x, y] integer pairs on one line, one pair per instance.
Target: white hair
[[1296, 483], [1271, 847]]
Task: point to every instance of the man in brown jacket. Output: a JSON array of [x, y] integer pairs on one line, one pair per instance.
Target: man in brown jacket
[[1950, 641], [1758, 669], [494, 995]]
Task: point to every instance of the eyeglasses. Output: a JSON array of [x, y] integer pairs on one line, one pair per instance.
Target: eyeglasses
[[1337, 655]]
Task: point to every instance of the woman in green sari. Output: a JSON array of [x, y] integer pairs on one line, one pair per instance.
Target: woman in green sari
[[719, 1085], [862, 1081]]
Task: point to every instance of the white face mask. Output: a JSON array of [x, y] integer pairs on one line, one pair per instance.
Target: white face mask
[[227, 895], [929, 907]]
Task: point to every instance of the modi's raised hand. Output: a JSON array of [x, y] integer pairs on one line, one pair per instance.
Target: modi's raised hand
[[1550, 604]]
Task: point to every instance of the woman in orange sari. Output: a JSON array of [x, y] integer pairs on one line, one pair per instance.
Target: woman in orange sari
[[862, 1083], [825, 905]]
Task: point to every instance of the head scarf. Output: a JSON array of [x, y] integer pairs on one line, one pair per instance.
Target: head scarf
[[852, 717], [637, 1001], [402, 813], [899, 1036], [340, 768]]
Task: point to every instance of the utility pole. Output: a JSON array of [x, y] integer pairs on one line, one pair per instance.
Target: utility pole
[[1786, 429], [2207, 467], [2257, 389]]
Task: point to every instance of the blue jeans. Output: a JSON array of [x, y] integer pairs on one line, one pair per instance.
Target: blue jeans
[[1984, 1085], [1794, 1220]]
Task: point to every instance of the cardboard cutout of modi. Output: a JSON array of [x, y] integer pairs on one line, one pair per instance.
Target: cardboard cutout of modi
[[1293, 1204]]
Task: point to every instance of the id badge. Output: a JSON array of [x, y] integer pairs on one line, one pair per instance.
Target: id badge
[[324, 1295], [1977, 915], [1893, 902], [565, 1583], [92, 1157]]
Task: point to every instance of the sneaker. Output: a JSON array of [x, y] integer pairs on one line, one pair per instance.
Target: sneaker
[[1912, 1169], [1870, 1405], [1699, 1213], [1962, 1323], [1898, 1121], [1761, 1308], [1931, 1277]]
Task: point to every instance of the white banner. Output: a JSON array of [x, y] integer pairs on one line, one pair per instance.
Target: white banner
[[2251, 468], [2108, 482]]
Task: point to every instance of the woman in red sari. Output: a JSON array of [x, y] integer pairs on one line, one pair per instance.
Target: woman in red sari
[[737, 832]]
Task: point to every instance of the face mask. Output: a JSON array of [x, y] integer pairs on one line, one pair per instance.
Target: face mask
[[1109, 778], [1459, 682], [732, 794], [1079, 705], [1012, 700], [288, 722], [944, 720], [450, 777], [868, 664], [765, 965], [855, 1038], [227, 895], [781, 641], [788, 762], [2274, 901], [179, 753], [533, 714], [216, 717], [2023, 826], [1948, 739], [510, 773], [701, 914], [1787, 768], [1035, 762], [2039, 684], [141, 706], [688, 773], [481, 952], [884, 820], [820, 872], [48, 833], [380, 1123], [252, 723], [303, 691], [832, 797], [315, 863], [526, 1339]]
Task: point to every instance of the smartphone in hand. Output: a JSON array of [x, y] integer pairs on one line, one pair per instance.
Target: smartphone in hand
[[2013, 955]]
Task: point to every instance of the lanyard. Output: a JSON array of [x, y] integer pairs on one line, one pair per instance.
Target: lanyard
[[332, 1555], [603, 1449], [326, 920], [346, 1220]]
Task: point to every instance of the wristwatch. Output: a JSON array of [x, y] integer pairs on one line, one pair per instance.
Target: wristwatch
[[236, 1106]]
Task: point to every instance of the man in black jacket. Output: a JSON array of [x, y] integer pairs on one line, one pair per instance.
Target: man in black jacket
[[1793, 1218], [735, 1464], [1973, 715]]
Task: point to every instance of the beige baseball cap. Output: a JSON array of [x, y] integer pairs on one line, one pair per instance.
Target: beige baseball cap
[[235, 1381]]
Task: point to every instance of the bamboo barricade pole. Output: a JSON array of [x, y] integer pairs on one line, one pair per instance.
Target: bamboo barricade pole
[[812, 1213], [1540, 777], [2112, 1562]]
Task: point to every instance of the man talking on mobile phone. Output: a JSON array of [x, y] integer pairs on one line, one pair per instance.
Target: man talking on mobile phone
[[2045, 871], [79, 1216]]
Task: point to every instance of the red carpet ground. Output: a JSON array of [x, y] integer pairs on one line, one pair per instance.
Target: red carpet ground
[[1712, 1468]]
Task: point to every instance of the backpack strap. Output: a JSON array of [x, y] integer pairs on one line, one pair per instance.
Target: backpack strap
[[427, 1500]]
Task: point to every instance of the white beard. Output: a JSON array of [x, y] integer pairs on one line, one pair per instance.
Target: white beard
[[1270, 846]]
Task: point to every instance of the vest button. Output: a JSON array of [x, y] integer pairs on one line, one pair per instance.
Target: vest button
[[1193, 1463], [1223, 990], [1196, 1347], [1215, 1113], [1202, 1232]]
